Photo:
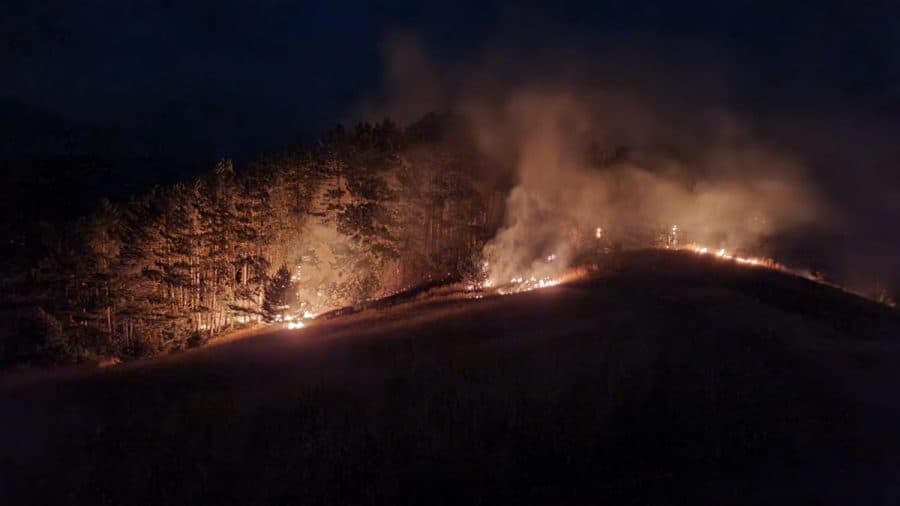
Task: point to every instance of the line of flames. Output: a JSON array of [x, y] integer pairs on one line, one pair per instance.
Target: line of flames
[[770, 263], [521, 284], [726, 255]]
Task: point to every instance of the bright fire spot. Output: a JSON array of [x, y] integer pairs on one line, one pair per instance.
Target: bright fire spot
[[309, 315], [551, 257], [522, 284], [295, 325], [599, 233], [772, 264], [725, 255]]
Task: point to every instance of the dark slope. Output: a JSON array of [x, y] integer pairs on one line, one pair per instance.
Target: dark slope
[[672, 379]]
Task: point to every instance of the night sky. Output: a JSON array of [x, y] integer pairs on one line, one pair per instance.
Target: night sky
[[179, 85], [213, 78], [207, 79]]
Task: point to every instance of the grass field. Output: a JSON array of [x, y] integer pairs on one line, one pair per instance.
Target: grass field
[[667, 378]]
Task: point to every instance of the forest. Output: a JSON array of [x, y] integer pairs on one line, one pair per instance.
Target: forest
[[373, 211], [359, 214]]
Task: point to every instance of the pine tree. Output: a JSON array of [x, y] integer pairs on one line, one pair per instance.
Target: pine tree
[[363, 212], [277, 298]]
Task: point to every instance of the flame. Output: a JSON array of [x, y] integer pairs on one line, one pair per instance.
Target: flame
[[516, 284], [726, 255], [542, 275], [522, 284]]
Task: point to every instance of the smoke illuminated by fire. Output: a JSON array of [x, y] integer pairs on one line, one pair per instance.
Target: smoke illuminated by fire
[[734, 193], [612, 155]]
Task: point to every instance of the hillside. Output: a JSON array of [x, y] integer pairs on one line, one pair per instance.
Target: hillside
[[665, 378]]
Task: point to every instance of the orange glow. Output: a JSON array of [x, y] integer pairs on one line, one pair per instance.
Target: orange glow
[[724, 254]]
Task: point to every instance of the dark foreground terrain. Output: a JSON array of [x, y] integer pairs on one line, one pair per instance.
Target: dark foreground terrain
[[670, 380]]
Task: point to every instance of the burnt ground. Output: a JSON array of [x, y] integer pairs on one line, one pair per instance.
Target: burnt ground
[[668, 379]]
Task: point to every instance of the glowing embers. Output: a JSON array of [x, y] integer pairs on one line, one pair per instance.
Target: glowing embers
[[769, 263], [292, 322], [481, 281], [528, 283], [726, 255], [515, 285], [522, 284]]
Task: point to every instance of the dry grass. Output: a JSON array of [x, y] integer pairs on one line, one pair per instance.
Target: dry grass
[[667, 380]]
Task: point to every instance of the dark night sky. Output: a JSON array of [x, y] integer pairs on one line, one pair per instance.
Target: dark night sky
[[209, 76], [204, 79], [181, 84]]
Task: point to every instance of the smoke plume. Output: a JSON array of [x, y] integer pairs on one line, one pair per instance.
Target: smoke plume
[[578, 169], [633, 144]]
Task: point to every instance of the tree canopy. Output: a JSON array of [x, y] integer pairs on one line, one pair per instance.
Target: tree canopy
[[362, 213]]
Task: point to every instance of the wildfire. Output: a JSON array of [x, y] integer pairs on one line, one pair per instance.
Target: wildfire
[[770, 263], [555, 270], [292, 322], [522, 284], [724, 254], [527, 283]]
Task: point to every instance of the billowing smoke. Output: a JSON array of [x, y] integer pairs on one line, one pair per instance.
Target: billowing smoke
[[576, 175], [632, 141]]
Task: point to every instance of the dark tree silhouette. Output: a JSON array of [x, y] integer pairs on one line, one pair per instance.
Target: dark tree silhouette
[[277, 298]]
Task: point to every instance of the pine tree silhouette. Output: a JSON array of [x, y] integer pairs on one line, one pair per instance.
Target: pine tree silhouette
[[276, 300]]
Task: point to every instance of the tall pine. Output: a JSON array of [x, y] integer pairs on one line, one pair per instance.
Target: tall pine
[[278, 295]]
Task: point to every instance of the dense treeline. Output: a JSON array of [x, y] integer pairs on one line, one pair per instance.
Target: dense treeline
[[360, 214]]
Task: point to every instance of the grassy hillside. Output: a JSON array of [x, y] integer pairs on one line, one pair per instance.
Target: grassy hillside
[[667, 378]]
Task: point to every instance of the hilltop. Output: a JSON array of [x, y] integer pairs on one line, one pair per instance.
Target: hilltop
[[666, 377]]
